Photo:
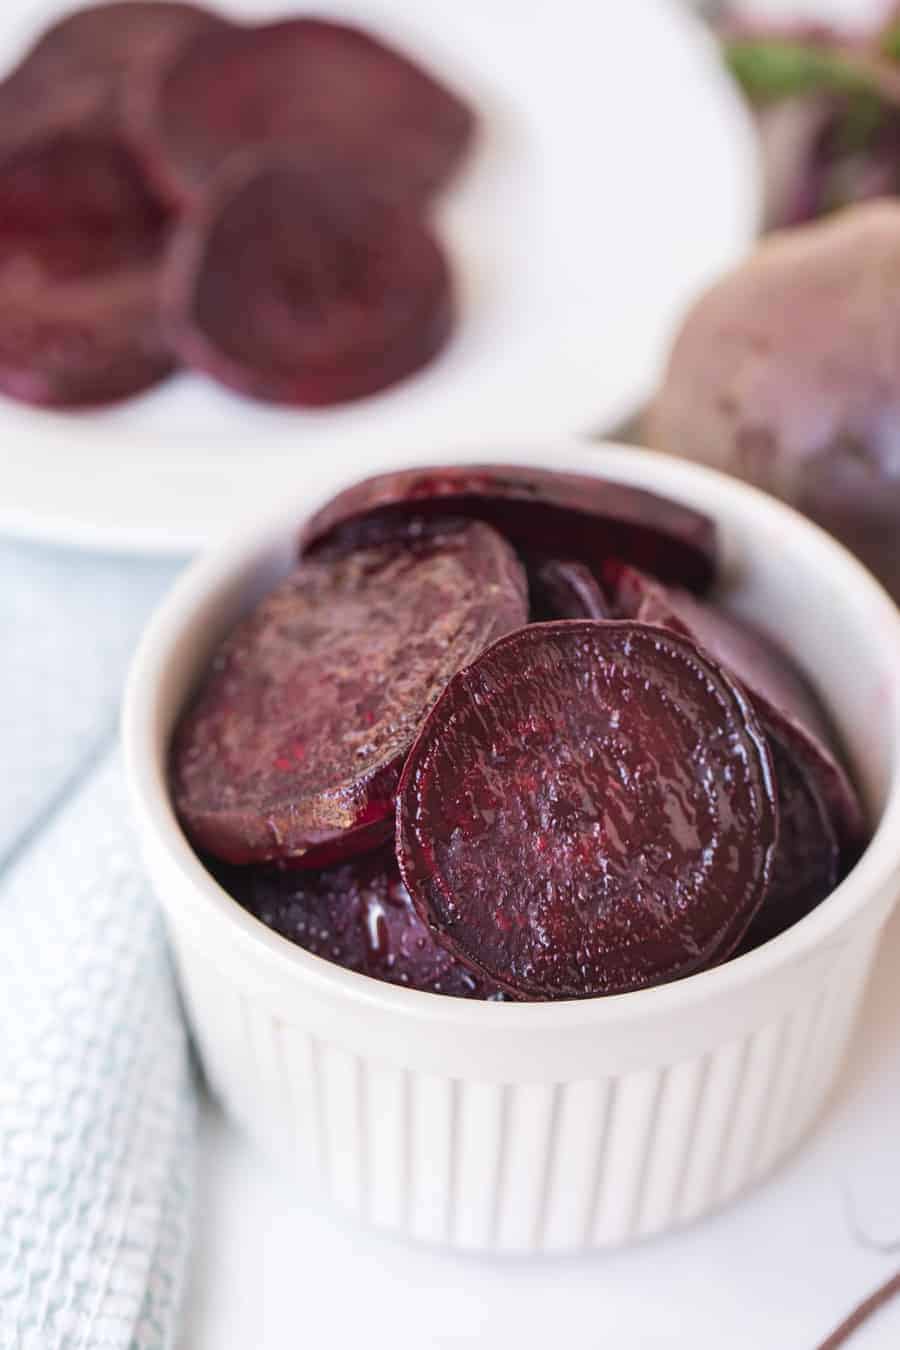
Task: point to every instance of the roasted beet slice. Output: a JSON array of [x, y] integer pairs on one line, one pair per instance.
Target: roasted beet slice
[[292, 83], [545, 514], [807, 861], [80, 72], [290, 285], [754, 658], [822, 829], [80, 343], [298, 734], [80, 241], [588, 809], [363, 839], [565, 590], [74, 205], [358, 915]]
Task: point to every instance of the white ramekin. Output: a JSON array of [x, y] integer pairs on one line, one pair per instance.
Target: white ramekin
[[536, 1127]]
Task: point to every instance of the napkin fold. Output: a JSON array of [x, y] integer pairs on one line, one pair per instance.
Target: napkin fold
[[97, 1100]]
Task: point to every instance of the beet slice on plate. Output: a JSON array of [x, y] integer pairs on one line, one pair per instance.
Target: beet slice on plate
[[76, 205], [78, 74], [588, 809], [565, 590], [289, 284], [298, 734], [358, 915], [545, 514], [822, 829], [295, 82], [80, 241], [81, 343]]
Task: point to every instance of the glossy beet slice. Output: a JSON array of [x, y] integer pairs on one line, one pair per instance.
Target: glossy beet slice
[[822, 829], [290, 285], [362, 839], [565, 590], [588, 809], [292, 83], [358, 915], [544, 514], [754, 658], [80, 241], [79, 73], [786, 705], [299, 731]]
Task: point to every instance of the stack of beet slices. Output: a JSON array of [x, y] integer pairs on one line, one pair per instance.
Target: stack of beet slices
[[180, 190], [489, 739]]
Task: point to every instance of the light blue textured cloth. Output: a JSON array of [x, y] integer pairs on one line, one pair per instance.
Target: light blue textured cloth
[[69, 623], [96, 1092]]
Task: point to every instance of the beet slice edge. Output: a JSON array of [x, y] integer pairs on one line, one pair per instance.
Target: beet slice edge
[[757, 661], [357, 915], [80, 246], [822, 829], [292, 82], [82, 70], [562, 589], [295, 740], [544, 513]]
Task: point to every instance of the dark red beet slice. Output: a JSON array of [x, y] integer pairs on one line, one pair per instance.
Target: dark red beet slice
[[292, 83], [80, 241], [363, 839], [358, 915], [588, 809], [288, 284], [74, 205], [298, 734], [822, 829], [80, 343], [545, 514], [565, 590], [79, 73], [754, 658]]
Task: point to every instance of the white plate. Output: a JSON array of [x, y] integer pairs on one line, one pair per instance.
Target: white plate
[[616, 174]]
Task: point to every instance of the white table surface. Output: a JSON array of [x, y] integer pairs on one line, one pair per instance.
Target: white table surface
[[775, 1272]]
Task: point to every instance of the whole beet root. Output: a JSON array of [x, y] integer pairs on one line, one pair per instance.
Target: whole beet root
[[787, 374]]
